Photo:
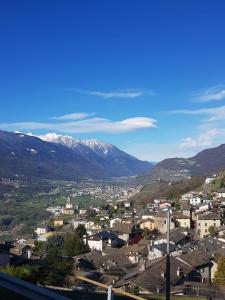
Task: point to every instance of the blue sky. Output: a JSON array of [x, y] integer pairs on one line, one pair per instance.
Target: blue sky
[[146, 76]]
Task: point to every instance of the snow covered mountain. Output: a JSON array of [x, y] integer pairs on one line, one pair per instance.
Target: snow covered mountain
[[61, 157], [83, 146]]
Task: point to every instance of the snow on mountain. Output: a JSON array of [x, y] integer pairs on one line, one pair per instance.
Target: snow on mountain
[[98, 147], [65, 140], [55, 156]]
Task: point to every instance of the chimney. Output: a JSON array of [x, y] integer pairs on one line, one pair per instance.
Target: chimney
[[142, 265], [179, 272], [163, 274]]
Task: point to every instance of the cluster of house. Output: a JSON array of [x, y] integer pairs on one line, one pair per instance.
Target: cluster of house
[[130, 249]]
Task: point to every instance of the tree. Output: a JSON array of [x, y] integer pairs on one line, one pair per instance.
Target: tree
[[146, 232], [81, 230], [219, 277], [212, 231], [23, 272], [74, 245], [39, 248]]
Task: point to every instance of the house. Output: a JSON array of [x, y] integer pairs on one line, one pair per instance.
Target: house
[[178, 236], [205, 220], [209, 180], [147, 223], [164, 205], [150, 277], [100, 240], [58, 222], [137, 251], [127, 204], [203, 207], [195, 200], [123, 230], [182, 220], [220, 193], [45, 236], [68, 209], [41, 230], [160, 221], [201, 263], [113, 221], [160, 249], [90, 225], [94, 242], [82, 211]]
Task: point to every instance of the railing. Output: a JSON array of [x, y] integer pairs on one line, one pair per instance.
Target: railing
[[28, 290]]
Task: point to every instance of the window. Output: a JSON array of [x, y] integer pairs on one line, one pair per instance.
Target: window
[[205, 230], [205, 224], [164, 221]]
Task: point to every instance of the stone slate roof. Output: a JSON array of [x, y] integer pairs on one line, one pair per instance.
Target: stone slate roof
[[163, 247], [176, 235], [208, 216], [121, 228], [196, 258], [152, 278]]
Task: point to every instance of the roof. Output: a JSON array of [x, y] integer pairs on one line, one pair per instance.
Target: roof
[[176, 235], [146, 220], [195, 258], [208, 216], [151, 279], [163, 247], [180, 215], [122, 227], [105, 235]]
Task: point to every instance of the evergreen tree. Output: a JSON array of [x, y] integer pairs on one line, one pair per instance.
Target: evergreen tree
[[219, 277], [81, 230], [74, 245]]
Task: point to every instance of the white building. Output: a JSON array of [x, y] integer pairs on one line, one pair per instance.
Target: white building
[[195, 200], [94, 242]]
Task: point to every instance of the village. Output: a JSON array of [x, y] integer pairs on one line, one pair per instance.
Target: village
[[126, 247]]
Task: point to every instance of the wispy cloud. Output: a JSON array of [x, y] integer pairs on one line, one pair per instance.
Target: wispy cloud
[[214, 113], [89, 125], [203, 140], [215, 93], [130, 94], [74, 116]]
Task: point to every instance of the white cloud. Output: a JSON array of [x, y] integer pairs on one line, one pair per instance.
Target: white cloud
[[203, 140], [74, 116], [86, 126], [215, 93], [214, 114], [131, 94]]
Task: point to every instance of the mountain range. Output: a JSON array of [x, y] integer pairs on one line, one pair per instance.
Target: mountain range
[[204, 163], [54, 156]]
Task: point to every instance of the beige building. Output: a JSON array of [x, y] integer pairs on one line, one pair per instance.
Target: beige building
[[204, 221], [68, 209], [58, 222], [147, 223], [182, 220]]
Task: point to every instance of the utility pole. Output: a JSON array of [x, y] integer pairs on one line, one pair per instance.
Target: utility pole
[[168, 257], [110, 294]]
